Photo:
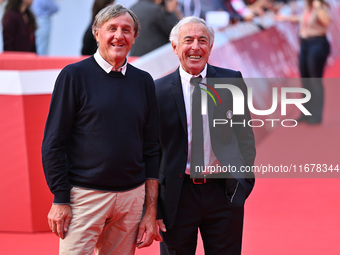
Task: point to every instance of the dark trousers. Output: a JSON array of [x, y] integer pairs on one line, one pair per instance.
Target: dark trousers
[[205, 207], [312, 60]]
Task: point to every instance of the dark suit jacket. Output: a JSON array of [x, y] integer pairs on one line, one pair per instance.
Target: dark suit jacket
[[231, 145]]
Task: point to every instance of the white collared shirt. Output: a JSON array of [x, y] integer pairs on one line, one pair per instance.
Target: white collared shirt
[[209, 156], [105, 65]]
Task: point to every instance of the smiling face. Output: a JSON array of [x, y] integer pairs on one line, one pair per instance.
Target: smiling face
[[193, 48], [115, 38]]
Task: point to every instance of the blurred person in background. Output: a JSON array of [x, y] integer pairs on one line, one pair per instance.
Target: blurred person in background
[[234, 15], [2, 4], [157, 18], [18, 26], [43, 11], [240, 10], [100, 150], [314, 51], [2, 7], [206, 6], [193, 7], [89, 42]]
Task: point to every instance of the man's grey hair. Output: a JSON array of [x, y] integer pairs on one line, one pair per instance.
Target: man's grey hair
[[174, 34], [112, 11]]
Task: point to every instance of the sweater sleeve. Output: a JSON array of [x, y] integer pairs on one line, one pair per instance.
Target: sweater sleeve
[[151, 146], [57, 130]]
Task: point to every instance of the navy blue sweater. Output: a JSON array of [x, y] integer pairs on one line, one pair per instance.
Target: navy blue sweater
[[101, 131]]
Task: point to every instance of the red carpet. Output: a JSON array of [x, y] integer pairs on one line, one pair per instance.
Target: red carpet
[[284, 216], [295, 215]]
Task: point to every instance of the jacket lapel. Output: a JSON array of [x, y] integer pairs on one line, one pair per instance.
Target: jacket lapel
[[211, 73], [176, 87]]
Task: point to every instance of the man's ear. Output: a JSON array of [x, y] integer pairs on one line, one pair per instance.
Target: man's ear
[[96, 31], [174, 47]]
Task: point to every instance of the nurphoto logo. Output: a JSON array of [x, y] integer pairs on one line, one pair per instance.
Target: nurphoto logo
[[279, 97]]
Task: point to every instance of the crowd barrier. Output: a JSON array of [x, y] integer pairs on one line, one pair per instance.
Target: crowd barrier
[[26, 83]]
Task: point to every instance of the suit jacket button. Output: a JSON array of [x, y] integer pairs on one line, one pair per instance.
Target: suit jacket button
[[180, 175]]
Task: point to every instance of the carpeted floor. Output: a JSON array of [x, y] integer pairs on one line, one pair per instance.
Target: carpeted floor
[[284, 216]]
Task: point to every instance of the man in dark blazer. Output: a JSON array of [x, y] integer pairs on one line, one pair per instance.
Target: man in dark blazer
[[213, 205]]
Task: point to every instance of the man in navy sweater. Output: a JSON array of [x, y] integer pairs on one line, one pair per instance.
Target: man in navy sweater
[[100, 150]]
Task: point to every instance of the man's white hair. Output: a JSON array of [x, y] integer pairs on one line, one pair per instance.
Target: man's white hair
[[174, 34]]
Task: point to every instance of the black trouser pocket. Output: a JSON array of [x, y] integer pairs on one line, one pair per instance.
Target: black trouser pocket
[[234, 192]]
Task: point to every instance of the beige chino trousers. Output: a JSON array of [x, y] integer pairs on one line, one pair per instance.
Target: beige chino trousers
[[103, 222]]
